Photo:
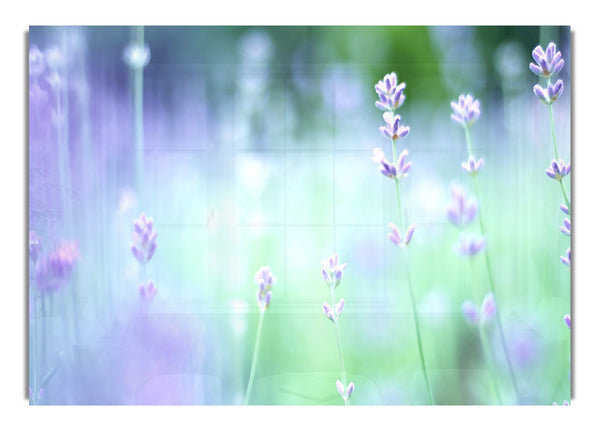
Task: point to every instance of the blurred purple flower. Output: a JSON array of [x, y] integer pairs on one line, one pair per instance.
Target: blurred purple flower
[[396, 238], [54, 270], [468, 245], [486, 314], [332, 314], [393, 130], [567, 259], [547, 63], [558, 169], [466, 110], [472, 166], [549, 94], [566, 227], [136, 56], [345, 393], [147, 292], [265, 280], [564, 209], [461, 211], [391, 95], [567, 319], [331, 270], [144, 239], [35, 245]]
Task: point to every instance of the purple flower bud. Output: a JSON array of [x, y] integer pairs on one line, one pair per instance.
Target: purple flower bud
[[144, 239], [267, 298], [470, 312], [558, 169], [339, 307], [340, 388], [568, 320], [488, 308], [549, 94], [391, 95], [566, 228], [472, 166], [349, 390], [409, 233], [147, 292], [564, 209], [462, 210], [328, 312], [265, 279], [53, 271], [549, 62], [466, 110], [566, 260], [394, 235], [469, 245]]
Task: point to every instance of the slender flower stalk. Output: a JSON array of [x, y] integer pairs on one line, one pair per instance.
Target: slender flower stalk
[[265, 279], [332, 272], [391, 97], [466, 112]]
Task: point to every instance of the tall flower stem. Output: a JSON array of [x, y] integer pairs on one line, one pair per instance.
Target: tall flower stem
[[553, 131], [255, 357], [338, 342], [138, 116], [489, 270], [410, 288]]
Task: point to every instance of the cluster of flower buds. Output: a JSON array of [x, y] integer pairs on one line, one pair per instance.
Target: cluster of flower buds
[[393, 129], [392, 170], [333, 313], [462, 210], [558, 170], [147, 292], [396, 238], [144, 239], [53, 271], [566, 227], [468, 245], [547, 64], [466, 110], [472, 166], [265, 280], [566, 260], [484, 315], [345, 392], [332, 271], [391, 95]]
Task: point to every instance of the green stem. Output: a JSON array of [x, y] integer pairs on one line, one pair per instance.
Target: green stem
[[410, 288], [554, 143], [338, 341], [254, 358], [489, 272]]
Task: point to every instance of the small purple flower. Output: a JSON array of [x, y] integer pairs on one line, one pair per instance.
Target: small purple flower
[[396, 238], [392, 170], [54, 270], [564, 209], [486, 314], [549, 62], [469, 245], [567, 320], [472, 166], [147, 292], [136, 56], [35, 245], [391, 95], [549, 94], [332, 314], [393, 130], [331, 270], [144, 239], [566, 227], [265, 280], [466, 110], [345, 393], [558, 169], [566, 260], [461, 211]]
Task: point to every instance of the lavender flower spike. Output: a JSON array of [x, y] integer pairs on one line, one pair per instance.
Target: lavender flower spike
[[568, 320], [469, 245], [393, 130], [549, 94], [466, 110], [461, 211], [144, 239], [547, 63], [265, 280], [472, 166], [566, 228], [396, 237], [391, 95], [558, 169], [332, 270]]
